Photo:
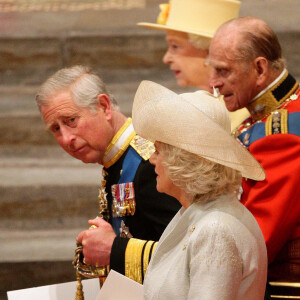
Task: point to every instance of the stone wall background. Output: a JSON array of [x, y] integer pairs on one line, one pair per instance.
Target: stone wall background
[[46, 197]]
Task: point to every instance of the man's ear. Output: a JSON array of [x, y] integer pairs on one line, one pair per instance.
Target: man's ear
[[105, 105], [261, 65]]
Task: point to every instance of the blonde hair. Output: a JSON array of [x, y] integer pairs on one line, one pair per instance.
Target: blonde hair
[[199, 178]]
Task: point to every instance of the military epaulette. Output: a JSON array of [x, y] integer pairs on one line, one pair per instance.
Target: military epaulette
[[143, 147], [281, 121], [277, 122], [137, 257]]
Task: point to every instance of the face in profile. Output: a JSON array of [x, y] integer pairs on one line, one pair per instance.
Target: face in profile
[[187, 62], [163, 182], [235, 79], [80, 132]]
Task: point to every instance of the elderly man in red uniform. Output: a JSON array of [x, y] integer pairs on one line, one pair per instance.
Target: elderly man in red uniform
[[248, 69]]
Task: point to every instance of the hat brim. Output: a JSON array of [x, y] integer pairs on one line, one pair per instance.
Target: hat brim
[[165, 28], [161, 115]]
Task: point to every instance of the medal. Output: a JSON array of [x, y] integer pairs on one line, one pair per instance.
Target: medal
[[123, 199]]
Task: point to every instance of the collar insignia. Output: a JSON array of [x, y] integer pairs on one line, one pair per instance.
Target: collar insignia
[[273, 98]]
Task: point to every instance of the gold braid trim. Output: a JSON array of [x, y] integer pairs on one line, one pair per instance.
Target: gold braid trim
[[115, 140], [120, 152], [117, 136], [284, 121], [137, 257], [133, 262], [150, 246], [154, 247]]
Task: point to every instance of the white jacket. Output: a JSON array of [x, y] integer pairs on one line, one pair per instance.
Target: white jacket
[[210, 251]]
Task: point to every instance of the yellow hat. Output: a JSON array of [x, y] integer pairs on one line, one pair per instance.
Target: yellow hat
[[201, 17]]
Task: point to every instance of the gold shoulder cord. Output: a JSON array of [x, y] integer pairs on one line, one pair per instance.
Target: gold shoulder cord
[[90, 271]]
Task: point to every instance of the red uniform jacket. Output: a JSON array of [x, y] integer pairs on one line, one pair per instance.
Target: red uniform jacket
[[275, 202]]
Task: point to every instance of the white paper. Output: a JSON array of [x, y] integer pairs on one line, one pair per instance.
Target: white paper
[[117, 286], [61, 291]]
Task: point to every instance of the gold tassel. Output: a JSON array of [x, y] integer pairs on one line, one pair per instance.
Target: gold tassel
[[79, 291], [81, 267]]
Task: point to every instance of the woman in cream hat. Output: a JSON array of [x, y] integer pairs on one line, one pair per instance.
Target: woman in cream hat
[[213, 248], [189, 26]]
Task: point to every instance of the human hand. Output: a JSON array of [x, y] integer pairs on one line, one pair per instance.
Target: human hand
[[97, 242]]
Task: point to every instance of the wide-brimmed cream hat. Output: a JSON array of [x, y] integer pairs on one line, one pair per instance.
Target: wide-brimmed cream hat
[[201, 17], [196, 122]]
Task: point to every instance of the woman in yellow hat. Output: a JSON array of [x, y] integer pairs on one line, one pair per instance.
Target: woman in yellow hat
[[189, 26]]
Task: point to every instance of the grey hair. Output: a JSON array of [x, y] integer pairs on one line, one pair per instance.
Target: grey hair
[[83, 84], [201, 179], [258, 39], [199, 42]]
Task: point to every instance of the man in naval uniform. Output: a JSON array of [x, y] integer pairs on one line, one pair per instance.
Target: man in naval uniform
[[248, 69], [84, 119]]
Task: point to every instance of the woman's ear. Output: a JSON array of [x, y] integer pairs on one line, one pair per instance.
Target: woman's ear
[[261, 65], [105, 105]]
